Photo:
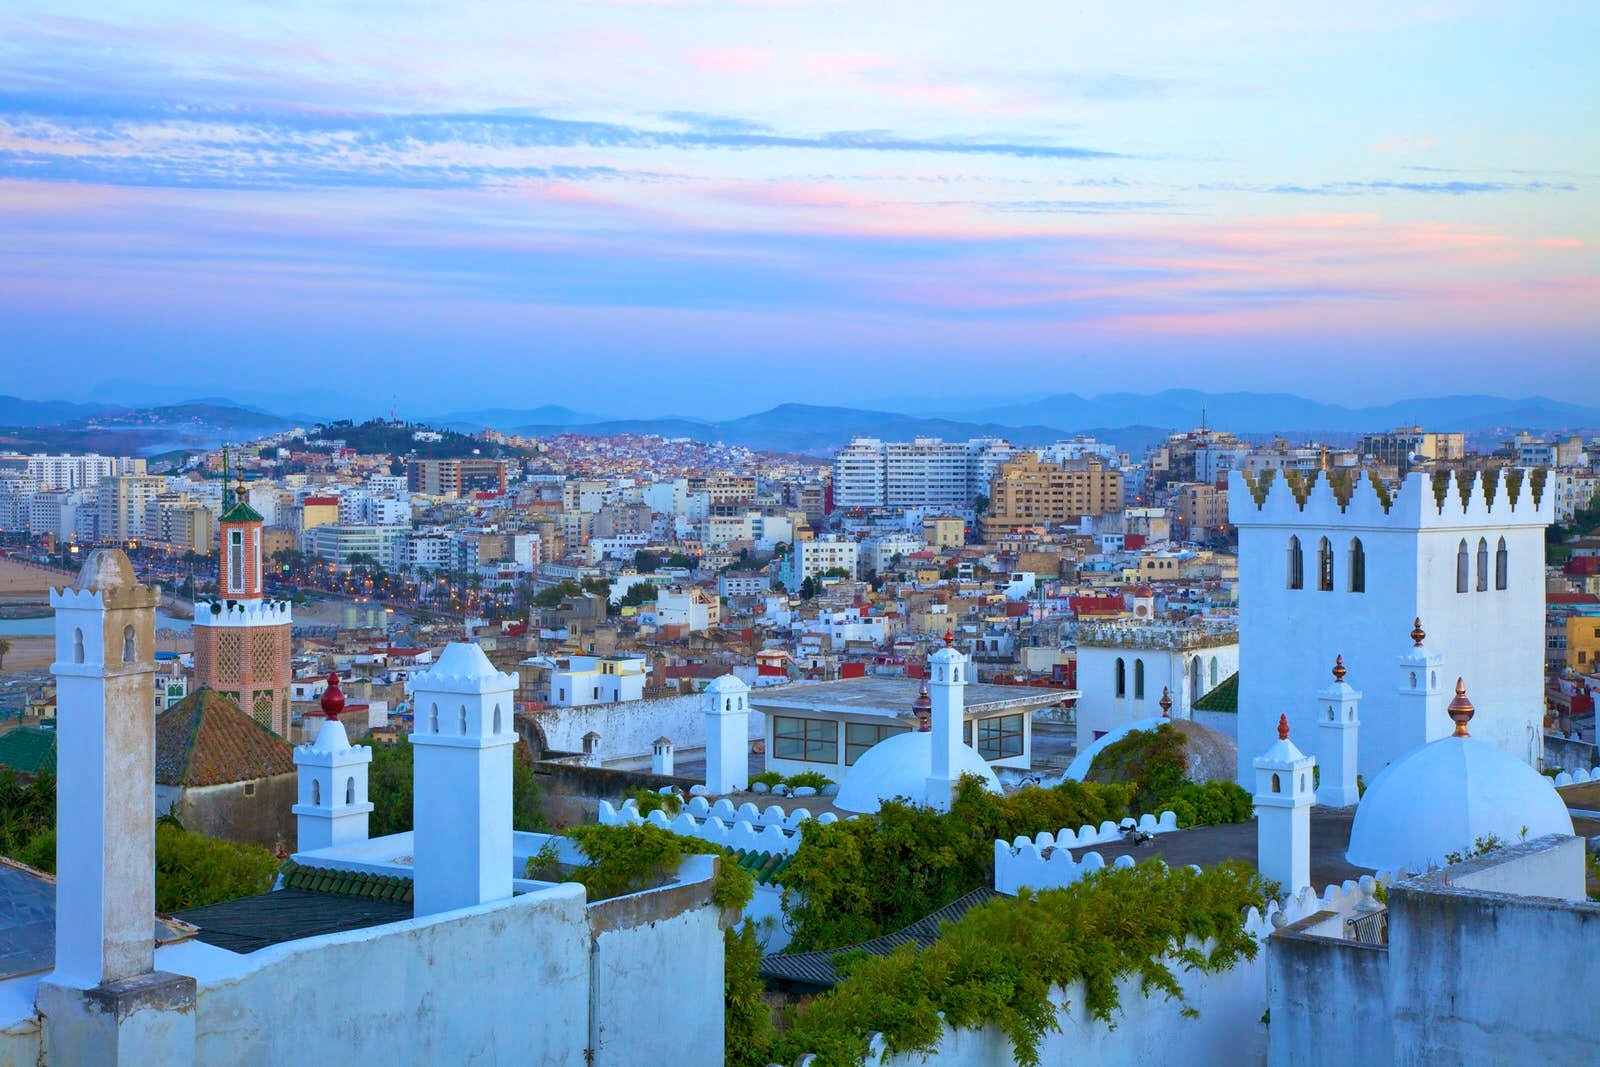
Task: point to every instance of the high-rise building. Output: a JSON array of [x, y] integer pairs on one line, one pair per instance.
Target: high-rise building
[[124, 502], [1030, 492], [455, 477], [1410, 445], [922, 473]]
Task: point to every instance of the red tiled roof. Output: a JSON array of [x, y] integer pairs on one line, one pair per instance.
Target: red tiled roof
[[1095, 605], [205, 739], [1583, 565], [320, 500], [1558, 599]]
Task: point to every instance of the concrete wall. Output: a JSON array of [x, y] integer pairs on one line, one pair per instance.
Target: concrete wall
[[630, 729], [1304, 1028], [571, 793], [1568, 754], [225, 811]]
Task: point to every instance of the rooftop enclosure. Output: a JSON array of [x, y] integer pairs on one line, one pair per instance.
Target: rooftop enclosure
[[1422, 501]]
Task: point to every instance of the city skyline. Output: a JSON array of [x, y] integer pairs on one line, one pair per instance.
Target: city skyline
[[672, 207]]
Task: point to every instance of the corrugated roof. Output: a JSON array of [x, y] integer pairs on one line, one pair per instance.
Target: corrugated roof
[[205, 739], [29, 750], [1223, 697], [815, 970]]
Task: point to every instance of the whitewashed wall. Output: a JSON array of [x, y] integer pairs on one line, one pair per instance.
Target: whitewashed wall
[[630, 729]]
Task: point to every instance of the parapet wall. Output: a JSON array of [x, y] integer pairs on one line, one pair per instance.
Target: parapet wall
[[243, 613], [1447, 500], [743, 828]]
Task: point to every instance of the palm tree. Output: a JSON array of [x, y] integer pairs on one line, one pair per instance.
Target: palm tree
[[5, 646]]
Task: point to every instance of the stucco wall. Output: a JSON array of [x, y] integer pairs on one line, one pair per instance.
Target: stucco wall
[[225, 811], [631, 728], [1308, 1024], [501, 983]]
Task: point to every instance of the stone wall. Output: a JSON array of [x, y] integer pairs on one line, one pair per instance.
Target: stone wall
[[224, 811]]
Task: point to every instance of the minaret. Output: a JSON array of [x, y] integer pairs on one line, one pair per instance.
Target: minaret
[[105, 776], [1339, 728], [1421, 706], [947, 688], [727, 708], [463, 741], [1284, 796], [333, 806], [242, 644]]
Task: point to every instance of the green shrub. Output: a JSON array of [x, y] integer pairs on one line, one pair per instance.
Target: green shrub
[[859, 878], [747, 1021], [193, 870], [1153, 764], [815, 779], [997, 964], [649, 800], [628, 859], [767, 778]]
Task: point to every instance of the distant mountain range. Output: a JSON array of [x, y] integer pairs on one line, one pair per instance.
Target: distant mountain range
[[1128, 420]]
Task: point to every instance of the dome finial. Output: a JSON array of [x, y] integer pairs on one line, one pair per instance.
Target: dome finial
[[1283, 727], [1166, 703], [332, 697], [949, 637], [1416, 632], [1338, 669], [1460, 709], [922, 707]]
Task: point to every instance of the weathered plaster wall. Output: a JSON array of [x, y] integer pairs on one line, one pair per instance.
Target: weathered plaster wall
[[1308, 1025], [224, 811], [631, 728]]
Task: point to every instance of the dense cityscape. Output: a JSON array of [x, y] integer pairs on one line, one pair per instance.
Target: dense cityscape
[[779, 533]]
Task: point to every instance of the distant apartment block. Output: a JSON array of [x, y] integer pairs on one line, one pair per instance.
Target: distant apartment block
[[455, 477], [923, 473], [1030, 492], [1410, 445]]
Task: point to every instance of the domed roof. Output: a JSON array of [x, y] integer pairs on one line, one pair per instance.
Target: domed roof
[[1444, 796], [1212, 754], [727, 683], [899, 766]]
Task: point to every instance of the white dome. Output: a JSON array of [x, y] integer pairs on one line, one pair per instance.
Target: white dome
[[899, 766], [1442, 797], [1079, 767]]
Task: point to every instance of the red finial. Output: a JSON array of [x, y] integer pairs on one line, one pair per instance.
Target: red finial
[[332, 697], [1460, 710], [1165, 702], [1416, 633], [1283, 727], [949, 638]]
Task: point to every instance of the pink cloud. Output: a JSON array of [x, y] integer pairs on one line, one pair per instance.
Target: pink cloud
[[728, 60]]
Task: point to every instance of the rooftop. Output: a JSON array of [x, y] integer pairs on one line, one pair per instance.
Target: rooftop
[[893, 697], [205, 739]]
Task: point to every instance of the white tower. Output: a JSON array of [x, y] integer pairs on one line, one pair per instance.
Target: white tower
[[105, 758], [464, 739], [727, 704], [661, 756], [947, 687], [333, 805], [1422, 701], [1339, 729], [1283, 799]]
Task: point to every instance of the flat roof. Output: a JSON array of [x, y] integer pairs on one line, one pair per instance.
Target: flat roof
[[893, 697]]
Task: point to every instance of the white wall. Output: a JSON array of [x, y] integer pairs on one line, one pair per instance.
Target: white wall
[[630, 729]]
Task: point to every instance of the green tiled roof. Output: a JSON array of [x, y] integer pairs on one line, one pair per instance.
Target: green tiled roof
[[29, 750], [242, 512], [766, 866], [1224, 697], [347, 883]]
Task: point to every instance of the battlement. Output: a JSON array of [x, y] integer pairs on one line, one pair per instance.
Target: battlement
[[134, 596], [243, 613], [1440, 500], [1045, 861], [745, 827], [1214, 633]]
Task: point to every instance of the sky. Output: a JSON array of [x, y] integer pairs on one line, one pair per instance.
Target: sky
[[708, 207]]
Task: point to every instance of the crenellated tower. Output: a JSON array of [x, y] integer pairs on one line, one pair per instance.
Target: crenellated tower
[[242, 644], [1331, 565]]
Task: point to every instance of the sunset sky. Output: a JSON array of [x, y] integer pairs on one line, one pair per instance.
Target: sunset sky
[[707, 207]]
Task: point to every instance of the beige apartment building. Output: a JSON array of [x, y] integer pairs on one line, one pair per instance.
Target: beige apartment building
[[1030, 492]]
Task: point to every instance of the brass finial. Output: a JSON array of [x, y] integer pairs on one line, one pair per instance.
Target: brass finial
[[1166, 703], [1283, 727], [1416, 632], [949, 638], [1338, 669], [1460, 709]]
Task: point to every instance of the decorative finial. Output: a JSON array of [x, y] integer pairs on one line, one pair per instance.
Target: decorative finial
[[1283, 727], [1460, 709], [332, 697], [1165, 702], [949, 638], [227, 471], [1416, 632], [1338, 669], [923, 707]]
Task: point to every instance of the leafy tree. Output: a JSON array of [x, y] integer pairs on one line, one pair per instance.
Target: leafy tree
[[679, 561], [600, 587], [808, 589], [1154, 763], [5, 646], [553, 596], [639, 593], [646, 562]]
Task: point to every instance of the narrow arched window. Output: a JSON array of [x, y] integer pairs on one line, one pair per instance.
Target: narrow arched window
[[462, 723], [955, 675], [1213, 671], [1121, 677], [1483, 565], [1297, 564], [1461, 567], [1501, 559], [350, 790], [1358, 566], [77, 645], [1324, 566], [316, 791], [1138, 679], [497, 718], [433, 719], [130, 645], [1277, 787], [1195, 677]]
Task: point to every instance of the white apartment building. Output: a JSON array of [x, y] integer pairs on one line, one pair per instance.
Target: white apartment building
[[576, 681], [810, 558], [429, 552], [79, 472], [878, 553], [743, 583], [696, 610], [123, 501], [1573, 490], [338, 544], [924, 473]]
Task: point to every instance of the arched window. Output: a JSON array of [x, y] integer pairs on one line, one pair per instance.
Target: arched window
[[1297, 564], [955, 675], [433, 719], [1501, 559], [1358, 566], [497, 718], [462, 723], [1121, 678], [1483, 565], [1324, 566], [130, 645], [1195, 677], [350, 790], [316, 791], [1213, 671], [1138, 679], [1277, 787], [77, 645], [1461, 567]]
